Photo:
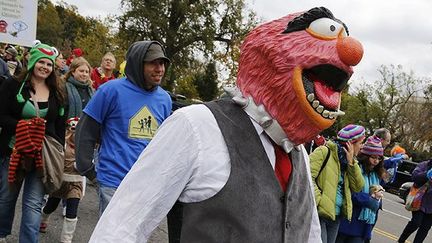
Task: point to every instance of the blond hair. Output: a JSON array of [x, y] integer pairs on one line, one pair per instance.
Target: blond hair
[[76, 63]]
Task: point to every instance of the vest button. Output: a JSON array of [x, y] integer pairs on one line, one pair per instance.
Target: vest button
[[287, 225]]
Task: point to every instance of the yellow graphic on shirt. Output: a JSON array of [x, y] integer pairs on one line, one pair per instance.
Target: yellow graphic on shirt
[[143, 125]]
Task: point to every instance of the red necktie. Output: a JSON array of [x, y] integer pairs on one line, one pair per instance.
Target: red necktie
[[283, 166]]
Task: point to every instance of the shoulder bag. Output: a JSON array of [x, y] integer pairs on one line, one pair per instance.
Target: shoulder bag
[[415, 196], [53, 160]]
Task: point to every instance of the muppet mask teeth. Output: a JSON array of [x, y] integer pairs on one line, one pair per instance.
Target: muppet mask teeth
[[321, 110]]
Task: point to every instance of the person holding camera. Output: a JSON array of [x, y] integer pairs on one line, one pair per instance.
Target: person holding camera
[[366, 202]]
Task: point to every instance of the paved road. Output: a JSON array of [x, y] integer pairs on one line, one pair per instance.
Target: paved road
[[87, 218], [390, 223]]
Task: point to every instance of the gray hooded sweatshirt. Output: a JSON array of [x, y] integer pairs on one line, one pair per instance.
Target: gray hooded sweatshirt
[[135, 60]]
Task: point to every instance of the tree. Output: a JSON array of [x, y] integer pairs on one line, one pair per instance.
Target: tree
[[74, 24], [186, 87], [417, 119], [189, 29], [49, 25], [61, 25], [206, 83], [395, 102], [96, 44]]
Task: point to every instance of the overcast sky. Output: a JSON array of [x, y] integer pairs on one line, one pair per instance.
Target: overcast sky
[[391, 31]]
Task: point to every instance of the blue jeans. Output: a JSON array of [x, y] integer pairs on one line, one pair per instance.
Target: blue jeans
[[31, 204], [105, 195], [329, 229]]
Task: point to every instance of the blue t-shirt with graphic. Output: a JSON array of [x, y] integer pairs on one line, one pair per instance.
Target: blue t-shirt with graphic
[[129, 117]]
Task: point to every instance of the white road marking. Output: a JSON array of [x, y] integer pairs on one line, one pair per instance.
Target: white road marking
[[396, 214], [392, 201]]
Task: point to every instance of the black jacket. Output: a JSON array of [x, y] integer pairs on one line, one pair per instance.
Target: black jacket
[[11, 110]]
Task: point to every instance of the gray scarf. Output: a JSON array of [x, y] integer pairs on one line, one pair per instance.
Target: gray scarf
[[75, 104]]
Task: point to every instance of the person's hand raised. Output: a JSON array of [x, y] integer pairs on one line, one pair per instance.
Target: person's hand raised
[[349, 150]]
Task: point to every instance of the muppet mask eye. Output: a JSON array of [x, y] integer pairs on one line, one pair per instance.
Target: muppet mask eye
[[325, 28]]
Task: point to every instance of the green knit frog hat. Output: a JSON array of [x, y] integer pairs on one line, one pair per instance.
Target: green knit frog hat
[[39, 51]]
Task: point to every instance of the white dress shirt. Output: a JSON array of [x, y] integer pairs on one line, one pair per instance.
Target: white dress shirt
[[187, 160]]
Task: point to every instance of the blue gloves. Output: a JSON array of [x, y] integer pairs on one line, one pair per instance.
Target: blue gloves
[[429, 174], [393, 161], [398, 157]]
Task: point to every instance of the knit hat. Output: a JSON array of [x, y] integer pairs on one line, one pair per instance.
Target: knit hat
[[39, 51], [372, 146], [351, 133], [397, 150]]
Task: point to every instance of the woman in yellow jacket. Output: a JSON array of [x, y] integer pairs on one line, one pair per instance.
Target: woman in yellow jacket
[[335, 173]]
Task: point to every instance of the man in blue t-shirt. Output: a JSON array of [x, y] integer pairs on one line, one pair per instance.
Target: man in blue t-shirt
[[123, 117]]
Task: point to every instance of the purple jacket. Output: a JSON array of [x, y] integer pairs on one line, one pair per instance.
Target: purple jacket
[[419, 178]]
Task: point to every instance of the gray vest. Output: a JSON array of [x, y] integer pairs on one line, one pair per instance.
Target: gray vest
[[251, 207]]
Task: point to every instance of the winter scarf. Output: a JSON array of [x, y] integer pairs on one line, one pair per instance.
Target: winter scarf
[[366, 213], [29, 138], [75, 104]]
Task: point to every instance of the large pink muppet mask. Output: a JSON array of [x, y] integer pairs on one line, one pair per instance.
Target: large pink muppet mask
[[297, 67]]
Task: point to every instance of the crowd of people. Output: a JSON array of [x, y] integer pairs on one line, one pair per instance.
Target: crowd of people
[[351, 219], [59, 92], [206, 158]]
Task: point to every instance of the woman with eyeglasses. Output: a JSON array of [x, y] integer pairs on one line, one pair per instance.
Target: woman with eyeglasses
[[367, 202]]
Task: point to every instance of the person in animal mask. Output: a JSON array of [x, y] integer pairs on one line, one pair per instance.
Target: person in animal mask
[[238, 164]]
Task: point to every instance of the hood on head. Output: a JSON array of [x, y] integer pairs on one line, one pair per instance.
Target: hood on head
[[135, 57]]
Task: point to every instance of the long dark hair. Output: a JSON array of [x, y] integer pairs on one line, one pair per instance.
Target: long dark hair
[[379, 168], [52, 81]]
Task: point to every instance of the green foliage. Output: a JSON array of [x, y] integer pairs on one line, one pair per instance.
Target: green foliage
[[190, 30], [74, 24], [96, 44], [394, 101], [49, 25], [186, 87], [206, 83], [61, 25]]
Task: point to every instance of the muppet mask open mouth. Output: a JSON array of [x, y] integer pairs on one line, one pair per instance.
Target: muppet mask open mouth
[[319, 92]]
